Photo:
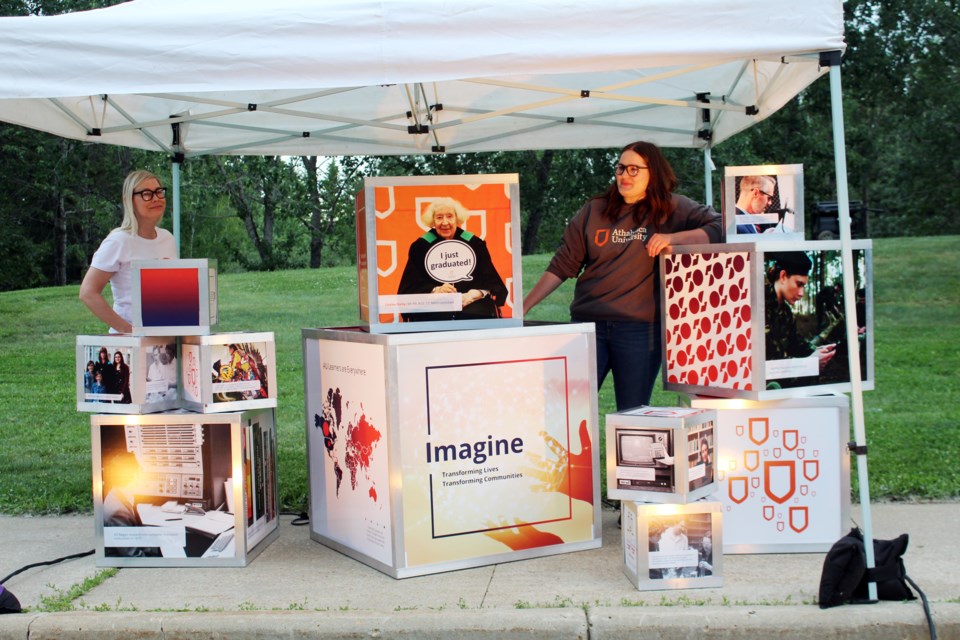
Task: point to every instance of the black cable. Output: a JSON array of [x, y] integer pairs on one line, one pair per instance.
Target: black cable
[[926, 607], [41, 564], [299, 519]]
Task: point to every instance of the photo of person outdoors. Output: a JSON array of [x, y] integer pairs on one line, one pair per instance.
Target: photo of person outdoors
[[139, 237], [121, 379], [788, 274], [88, 377], [805, 331], [611, 246], [756, 197], [109, 375], [482, 290]]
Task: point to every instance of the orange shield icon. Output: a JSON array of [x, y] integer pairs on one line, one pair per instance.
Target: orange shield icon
[[768, 512], [751, 459], [799, 518], [811, 469], [779, 480], [601, 237], [790, 439], [759, 430], [737, 489]]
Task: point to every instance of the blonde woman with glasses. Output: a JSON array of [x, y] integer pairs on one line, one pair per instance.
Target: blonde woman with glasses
[[139, 237]]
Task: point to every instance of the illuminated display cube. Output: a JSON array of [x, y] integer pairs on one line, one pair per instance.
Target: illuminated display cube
[[670, 546], [228, 372], [184, 489], [414, 276], [783, 472], [411, 471], [127, 374], [661, 454], [174, 297], [730, 329]]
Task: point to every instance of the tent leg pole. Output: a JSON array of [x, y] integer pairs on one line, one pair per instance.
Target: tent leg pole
[[708, 168], [176, 203], [850, 312]]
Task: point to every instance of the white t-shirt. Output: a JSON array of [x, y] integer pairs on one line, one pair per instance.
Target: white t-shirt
[[115, 254]]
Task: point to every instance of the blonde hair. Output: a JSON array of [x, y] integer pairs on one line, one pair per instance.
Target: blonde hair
[[129, 223], [444, 203]]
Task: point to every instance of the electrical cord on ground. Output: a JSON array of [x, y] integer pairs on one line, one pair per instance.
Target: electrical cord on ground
[[8, 601], [926, 607], [48, 562]]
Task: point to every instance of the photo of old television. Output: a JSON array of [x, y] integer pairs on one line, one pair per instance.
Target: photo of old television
[[645, 459]]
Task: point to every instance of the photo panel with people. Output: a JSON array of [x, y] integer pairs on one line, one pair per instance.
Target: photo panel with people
[[806, 342]]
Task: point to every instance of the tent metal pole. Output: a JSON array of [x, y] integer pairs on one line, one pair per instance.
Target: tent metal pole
[[176, 203], [850, 312], [708, 168]]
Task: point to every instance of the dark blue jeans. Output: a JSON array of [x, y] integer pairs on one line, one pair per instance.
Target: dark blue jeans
[[631, 350]]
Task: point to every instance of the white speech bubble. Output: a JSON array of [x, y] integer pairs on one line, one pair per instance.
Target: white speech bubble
[[450, 261]]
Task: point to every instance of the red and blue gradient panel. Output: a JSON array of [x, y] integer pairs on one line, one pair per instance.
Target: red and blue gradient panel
[[170, 297]]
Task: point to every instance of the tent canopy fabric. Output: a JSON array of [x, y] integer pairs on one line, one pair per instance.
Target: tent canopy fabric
[[344, 77]]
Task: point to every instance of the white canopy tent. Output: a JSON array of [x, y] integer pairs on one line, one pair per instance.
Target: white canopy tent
[[344, 77]]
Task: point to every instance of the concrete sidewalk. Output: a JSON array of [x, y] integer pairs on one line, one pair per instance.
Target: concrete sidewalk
[[300, 588]]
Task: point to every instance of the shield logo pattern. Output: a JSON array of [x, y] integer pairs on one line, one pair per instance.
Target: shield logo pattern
[[780, 460]]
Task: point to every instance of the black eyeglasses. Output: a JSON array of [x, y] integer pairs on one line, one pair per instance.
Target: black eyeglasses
[[764, 193], [148, 194], [631, 169]]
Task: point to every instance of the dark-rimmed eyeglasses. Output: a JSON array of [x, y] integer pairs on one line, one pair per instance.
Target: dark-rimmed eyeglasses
[[148, 194], [631, 169], [764, 193]]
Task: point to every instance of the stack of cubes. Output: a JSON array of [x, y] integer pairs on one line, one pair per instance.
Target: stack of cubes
[[749, 327], [183, 435], [660, 468]]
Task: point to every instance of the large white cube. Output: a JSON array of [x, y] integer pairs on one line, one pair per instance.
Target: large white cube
[[228, 372], [403, 263], [661, 454], [783, 473], [435, 451], [723, 336], [126, 374], [174, 297], [668, 546], [184, 489]]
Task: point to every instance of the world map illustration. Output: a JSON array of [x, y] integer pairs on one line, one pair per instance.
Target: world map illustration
[[348, 436]]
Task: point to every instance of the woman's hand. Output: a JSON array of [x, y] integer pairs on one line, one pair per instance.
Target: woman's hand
[[658, 242], [446, 287], [471, 296]]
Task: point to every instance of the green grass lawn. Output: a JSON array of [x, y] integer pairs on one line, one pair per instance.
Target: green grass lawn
[[45, 457]]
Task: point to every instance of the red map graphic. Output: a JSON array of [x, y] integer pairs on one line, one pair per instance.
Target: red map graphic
[[353, 439]]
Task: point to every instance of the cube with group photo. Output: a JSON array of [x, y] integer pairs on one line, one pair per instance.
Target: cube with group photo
[[228, 371], [438, 253], [174, 297], [127, 374], [765, 320], [661, 454]]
